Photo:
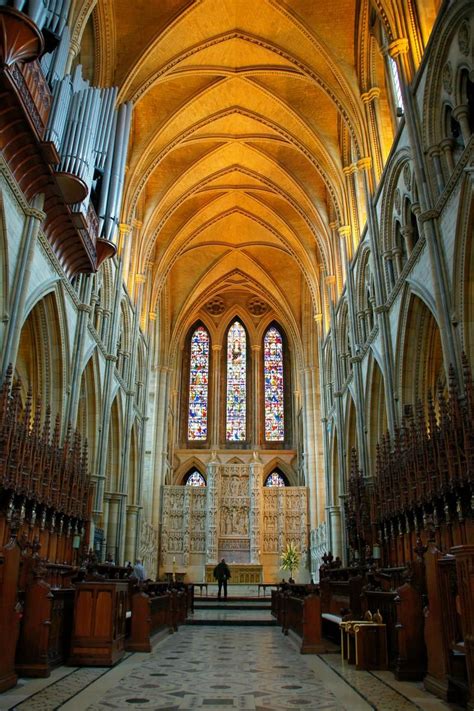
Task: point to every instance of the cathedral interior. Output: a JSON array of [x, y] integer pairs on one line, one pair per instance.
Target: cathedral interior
[[237, 300]]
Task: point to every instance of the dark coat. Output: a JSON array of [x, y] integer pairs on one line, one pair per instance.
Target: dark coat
[[221, 571]]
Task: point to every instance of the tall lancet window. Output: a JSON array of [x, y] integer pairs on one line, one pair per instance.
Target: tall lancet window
[[236, 393], [274, 392], [198, 385]]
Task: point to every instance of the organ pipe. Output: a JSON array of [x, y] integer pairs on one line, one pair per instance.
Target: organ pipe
[[48, 15], [89, 131]]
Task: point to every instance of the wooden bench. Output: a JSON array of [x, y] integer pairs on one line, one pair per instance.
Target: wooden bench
[[298, 608], [340, 598], [149, 614], [364, 643]]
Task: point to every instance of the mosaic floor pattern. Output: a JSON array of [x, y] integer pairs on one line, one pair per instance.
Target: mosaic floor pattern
[[222, 668]]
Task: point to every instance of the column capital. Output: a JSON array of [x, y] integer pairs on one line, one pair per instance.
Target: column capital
[[398, 46], [152, 315], [318, 317], [370, 95], [349, 169], [256, 347], [216, 347], [124, 228], [345, 230], [140, 278], [364, 163]]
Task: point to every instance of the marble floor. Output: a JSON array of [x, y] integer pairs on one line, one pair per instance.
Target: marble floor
[[215, 667]]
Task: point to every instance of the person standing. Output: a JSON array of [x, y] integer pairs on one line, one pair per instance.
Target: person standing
[[139, 571], [222, 575]]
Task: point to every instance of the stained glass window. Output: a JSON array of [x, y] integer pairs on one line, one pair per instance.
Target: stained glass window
[[275, 479], [195, 478], [236, 398], [273, 375], [198, 385]]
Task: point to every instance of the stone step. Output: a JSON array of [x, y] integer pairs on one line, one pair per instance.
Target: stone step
[[225, 615], [219, 605], [232, 623]]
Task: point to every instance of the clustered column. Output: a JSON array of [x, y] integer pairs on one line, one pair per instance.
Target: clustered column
[[255, 486], [211, 509]]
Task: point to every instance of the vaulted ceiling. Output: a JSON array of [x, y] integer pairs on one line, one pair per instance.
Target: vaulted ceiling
[[234, 167]]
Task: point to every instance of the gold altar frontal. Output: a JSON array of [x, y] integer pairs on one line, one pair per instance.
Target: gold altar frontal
[[240, 574]]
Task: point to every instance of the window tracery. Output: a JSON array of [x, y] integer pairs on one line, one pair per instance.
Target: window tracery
[[195, 478], [236, 384], [275, 479], [198, 385], [274, 386]]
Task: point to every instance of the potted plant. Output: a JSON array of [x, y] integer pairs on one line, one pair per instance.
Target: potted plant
[[290, 558]]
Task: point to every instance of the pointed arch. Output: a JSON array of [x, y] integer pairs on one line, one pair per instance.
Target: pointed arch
[[236, 352], [420, 366], [376, 413], [89, 408], [42, 361]]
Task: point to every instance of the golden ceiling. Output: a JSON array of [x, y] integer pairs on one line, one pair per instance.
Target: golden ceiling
[[245, 114]]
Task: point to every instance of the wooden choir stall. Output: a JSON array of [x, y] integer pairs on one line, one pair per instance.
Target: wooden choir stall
[[58, 604]]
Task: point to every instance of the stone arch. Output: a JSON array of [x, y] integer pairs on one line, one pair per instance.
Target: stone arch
[[376, 411], [450, 49], [420, 366], [42, 361], [350, 436], [283, 467], [181, 472], [90, 405]]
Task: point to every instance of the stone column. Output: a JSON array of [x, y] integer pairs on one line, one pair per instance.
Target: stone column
[[21, 281], [162, 433], [336, 537], [370, 99], [113, 532], [256, 507], [75, 379], [131, 534], [212, 532], [108, 390], [310, 420]]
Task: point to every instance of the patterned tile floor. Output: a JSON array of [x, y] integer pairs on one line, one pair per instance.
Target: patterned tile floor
[[217, 668]]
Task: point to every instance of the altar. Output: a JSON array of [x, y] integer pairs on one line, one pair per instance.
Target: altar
[[248, 574]]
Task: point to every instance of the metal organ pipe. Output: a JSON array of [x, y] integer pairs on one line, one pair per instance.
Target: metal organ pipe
[[62, 92], [102, 207], [118, 169], [54, 63]]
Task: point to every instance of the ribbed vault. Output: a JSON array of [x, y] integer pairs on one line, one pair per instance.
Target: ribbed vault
[[245, 116]]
